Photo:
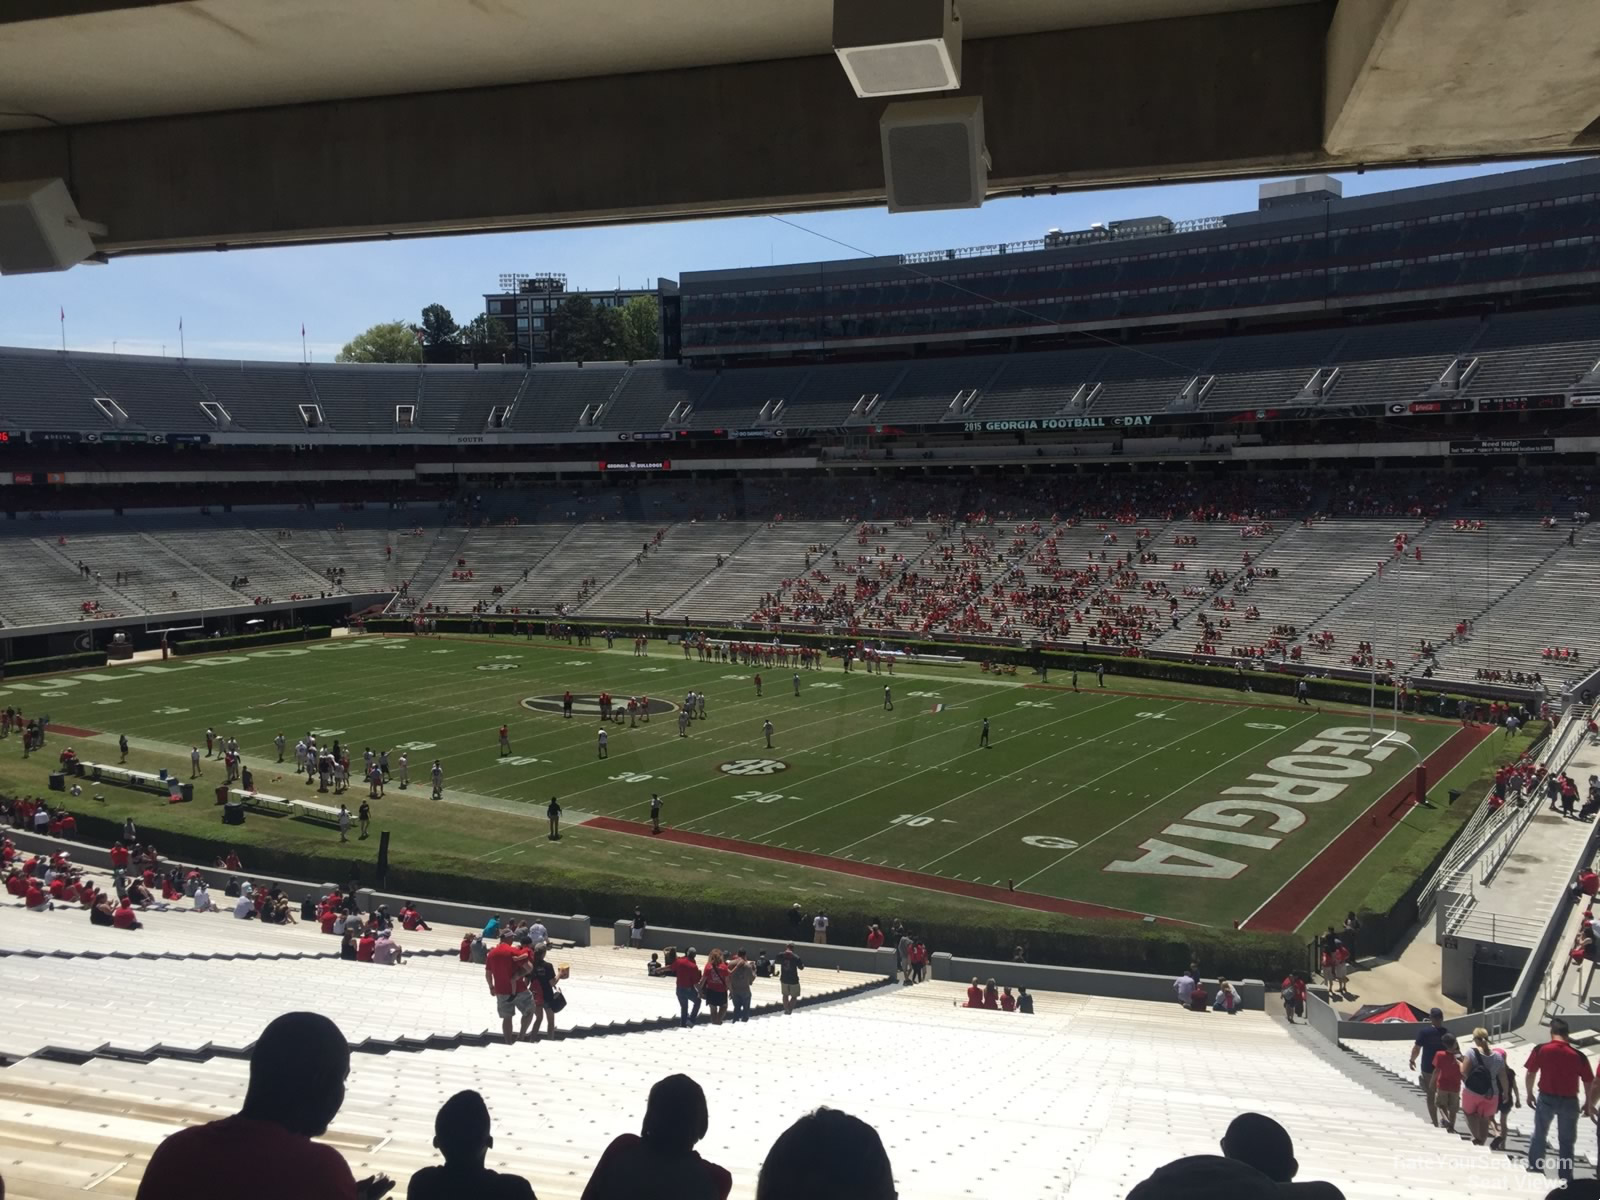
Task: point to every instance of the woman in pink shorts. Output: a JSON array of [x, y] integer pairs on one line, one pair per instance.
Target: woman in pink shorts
[[1480, 1086]]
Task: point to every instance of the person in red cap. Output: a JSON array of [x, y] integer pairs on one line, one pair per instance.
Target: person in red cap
[[124, 917]]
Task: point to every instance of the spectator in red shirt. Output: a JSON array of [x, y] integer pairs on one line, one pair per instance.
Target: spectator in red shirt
[[974, 994], [17, 884], [874, 937], [991, 995], [1447, 1081], [506, 969], [124, 917], [119, 856], [1558, 1069], [34, 898], [661, 1159], [687, 973], [410, 918], [1588, 884], [265, 1152], [1293, 991], [714, 985], [1008, 1002], [827, 1153], [366, 946]]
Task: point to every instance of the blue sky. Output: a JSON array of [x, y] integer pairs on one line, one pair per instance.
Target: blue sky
[[250, 303]]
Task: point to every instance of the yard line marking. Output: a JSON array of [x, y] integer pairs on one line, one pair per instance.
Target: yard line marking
[[1075, 788], [1154, 803], [987, 783], [869, 758], [924, 770]]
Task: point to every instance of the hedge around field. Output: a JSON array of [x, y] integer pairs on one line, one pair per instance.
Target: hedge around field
[[1104, 945], [57, 662], [250, 641]]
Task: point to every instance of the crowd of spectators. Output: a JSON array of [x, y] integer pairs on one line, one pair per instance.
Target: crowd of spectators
[[996, 568]]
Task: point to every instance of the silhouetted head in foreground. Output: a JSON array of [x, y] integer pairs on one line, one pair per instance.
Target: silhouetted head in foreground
[[1262, 1143], [827, 1153], [1206, 1177], [461, 1129], [675, 1118], [297, 1073]]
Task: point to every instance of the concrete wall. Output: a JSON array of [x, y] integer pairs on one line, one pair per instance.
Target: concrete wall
[[1326, 1022], [1124, 985], [440, 914], [838, 958]]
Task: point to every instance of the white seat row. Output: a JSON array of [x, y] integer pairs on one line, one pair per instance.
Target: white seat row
[[1082, 1100]]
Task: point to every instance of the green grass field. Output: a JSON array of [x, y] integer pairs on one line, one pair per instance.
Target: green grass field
[[1097, 797]]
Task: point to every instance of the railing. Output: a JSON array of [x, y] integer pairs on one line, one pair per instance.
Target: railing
[[1078, 237], [1497, 1013], [1504, 837], [1471, 839], [1498, 829]]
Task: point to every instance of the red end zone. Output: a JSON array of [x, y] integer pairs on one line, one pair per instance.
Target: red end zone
[[72, 731], [1296, 900]]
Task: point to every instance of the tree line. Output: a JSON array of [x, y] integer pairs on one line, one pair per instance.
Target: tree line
[[578, 330]]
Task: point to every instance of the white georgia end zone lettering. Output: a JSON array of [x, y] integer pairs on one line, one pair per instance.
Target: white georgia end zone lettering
[[1314, 772], [191, 664]]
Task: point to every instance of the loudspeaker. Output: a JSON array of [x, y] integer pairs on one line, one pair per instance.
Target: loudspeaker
[[383, 858], [40, 229], [895, 47], [933, 154]]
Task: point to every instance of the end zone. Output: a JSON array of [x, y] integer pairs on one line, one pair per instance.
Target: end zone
[[1292, 904]]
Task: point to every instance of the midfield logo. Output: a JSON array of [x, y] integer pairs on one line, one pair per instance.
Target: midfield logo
[[753, 766]]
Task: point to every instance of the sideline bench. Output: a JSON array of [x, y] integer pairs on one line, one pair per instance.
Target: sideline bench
[[143, 781], [127, 777], [284, 806], [948, 660]]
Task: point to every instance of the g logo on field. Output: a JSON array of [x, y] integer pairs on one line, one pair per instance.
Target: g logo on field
[[753, 766]]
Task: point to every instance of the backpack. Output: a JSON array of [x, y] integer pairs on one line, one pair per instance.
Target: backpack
[[1480, 1079], [1291, 998]]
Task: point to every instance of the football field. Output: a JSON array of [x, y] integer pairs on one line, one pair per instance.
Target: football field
[[1192, 806]]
